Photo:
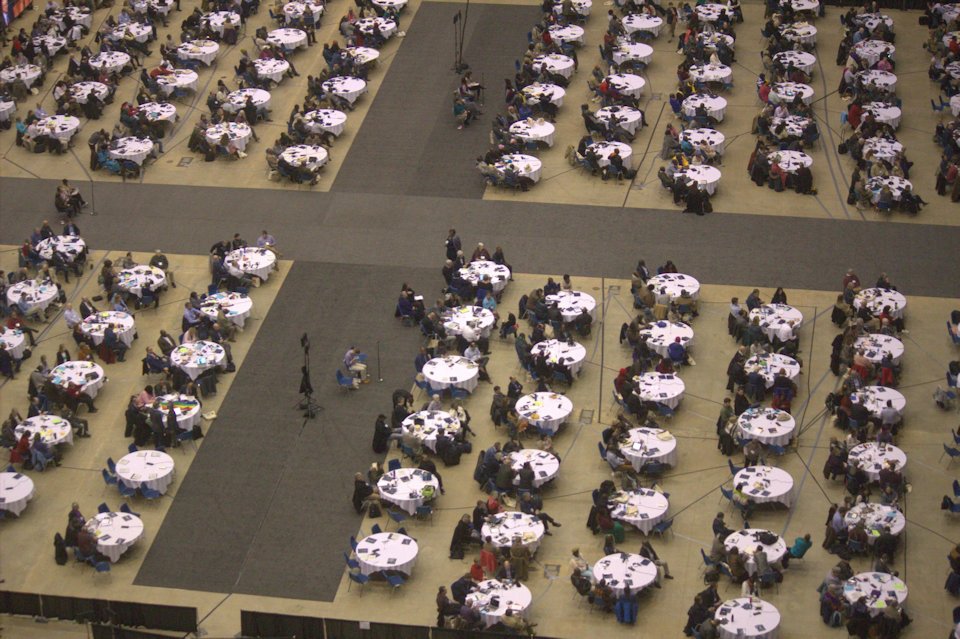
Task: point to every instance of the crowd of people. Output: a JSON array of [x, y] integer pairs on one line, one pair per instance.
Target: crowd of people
[[944, 48]]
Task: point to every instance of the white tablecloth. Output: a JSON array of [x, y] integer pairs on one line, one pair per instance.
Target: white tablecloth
[[524, 165], [660, 335], [883, 148], [16, 490], [216, 20], [203, 50], [329, 120], [87, 375], [545, 465], [426, 425], [28, 73], [140, 32], [236, 307], [288, 38], [62, 127], [534, 130], [296, 10], [110, 61], [132, 148], [870, 50], [642, 508], [79, 15], [711, 12], [566, 34], [179, 79], [39, 294], [877, 299], [475, 271], [883, 80], [554, 63], [645, 444], [387, 552], [582, 7], [955, 105], [237, 132], [81, 91], [572, 303], [387, 26], [140, 278], [769, 365], [404, 488], [875, 398], [794, 124], [503, 527], [767, 425], [748, 617], [787, 92], [115, 533], [877, 587], [451, 372], [875, 517], [250, 260], [710, 73], [884, 113], [625, 570], [237, 100], [872, 459], [271, 69], [766, 484], [12, 341], [626, 51], [873, 20], [391, 4], [53, 430], [716, 105], [706, 177], [712, 137], [629, 118], [7, 109], [800, 32], [642, 22], [876, 345], [711, 40], [663, 389], [547, 411], [605, 149], [312, 157], [510, 596], [186, 408], [627, 84], [467, 321], [775, 318], [556, 351], [95, 325], [745, 541], [799, 59], [150, 468], [544, 92], [196, 357], [346, 87]]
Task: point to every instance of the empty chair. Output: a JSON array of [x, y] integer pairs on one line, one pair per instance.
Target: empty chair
[[663, 527], [351, 563], [132, 448], [149, 493], [734, 469], [395, 580], [126, 491], [396, 516], [603, 452], [111, 466], [353, 542], [952, 452], [393, 464], [375, 529], [948, 504], [124, 508], [425, 512], [101, 567], [345, 382], [108, 479], [956, 488], [103, 508], [356, 577]]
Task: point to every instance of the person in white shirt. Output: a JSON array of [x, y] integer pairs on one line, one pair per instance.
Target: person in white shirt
[[70, 316]]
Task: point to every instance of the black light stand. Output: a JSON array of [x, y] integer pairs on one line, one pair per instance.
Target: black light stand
[[307, 404], [459, 27]]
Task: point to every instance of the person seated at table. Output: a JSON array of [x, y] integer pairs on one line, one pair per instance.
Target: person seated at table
[[42, 453], [363, 494], [113, 343], [353, 361], [474, 354], [463, 534], [737, 565]]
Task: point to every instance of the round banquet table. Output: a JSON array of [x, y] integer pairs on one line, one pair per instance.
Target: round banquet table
[[203, 50], [627, 117], [766, 484], [877, 587], [239, 133], [794, 124], [524, 165], [7, 109], [711, 12], [294, 11], [644, 444], [547, 411], [271, 69], [87, 375], [953, 69], [787, 91], [877, 345], [545, 465], [12, 341], [544, 92], [799, 59], [626, 51], [329, 120], [642, 22], [475, 271], [51, 43], [948, 36], [875, 398], [185, 407], [582, 7], [660, 335], [706, 177], [716, 105], [710, 73], [62, 127], [216, 20], [769, 365], [870, 50], [570, 33], [510, 595], [767, 425], [877, 299], [746, 542], [185, 79], [426, 426], [675, 284], [642, 508], [162, 7], [955, 105], [140, 32], [555, 63], [346, 87], [81, 91], [712, 137], [883, 148], [451, 371], [95, 325], [312, 157], [287, 38], [53, 430], [396, 5], [627, 84], [39, 294], [504, 526], [79, 15], [387, 552], [150, 468], [404, 488], [132, 149], [362, 55], [533, 130], [27, 73], [237, 100], [115, 533], [109, 61], [790, 161], [236, 307], [872, 458], [573, 303], [775, 319], [873, 20], [878, 79], [141, 278], [457, 321], [884, 113], [16, 489], [605, 149], [387, 26], [158, 111], [800, 32], [747, 617], [624, 570], [711, 40], [250, 260], [196, 357], [875, 517], [558, 352]]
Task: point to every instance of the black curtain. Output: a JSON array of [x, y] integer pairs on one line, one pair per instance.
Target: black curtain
[[19, 603], [273, 626]]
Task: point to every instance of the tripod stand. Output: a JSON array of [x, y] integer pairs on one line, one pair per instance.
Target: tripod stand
[[307, 404]]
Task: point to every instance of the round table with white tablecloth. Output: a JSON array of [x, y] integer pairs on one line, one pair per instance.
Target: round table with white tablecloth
[[427, 426], [711, 12], [799, 59], [184, 79], [16, 489], [746, 542], [643, 508], [163, 7], [875, 517], [271, 69], [53, 430], [546, 411], [883, 148], [141, 278], [396, 5], [524, 165], [566, 34], [711, 40], [236, 307], [555, 63], [404, 488], [811, 6], [387, 26], [26, 73], [766, 484], [237, 100], [509, 595], [767, 425], [582, 7], [468, 319], [953, 70], [875, 398], [884, 113], [710, 73], [216, 20], [790, 161], [642, 22], [115, 533], [644, 444], [626, 51], [39, 295], [661, 334], [533, 130], [948, 36], [878, 79], [185, 407], [158, 111], [713, 138], [51, 43], [87, 375], [872, 20], [605, 149], [794, 124], [13, 341], [706, 177], [876, 346], [778, 321], [801, 32], [545, 465], [544, 92], [675, 284], [250, 260], [329, 120], [81, 91], [870, 51], [872, 457], [305, 155], [62, 127], [477, 270], [387, 552], [769, 366], [451, 371], [558, 352], [345, 87], [627, 118], [239, 133], [197, 357], [132, 149], [294, 11], [624, 570], [877, 587], [949, 12], [287, 38], [151, 468], [877, 299], [747, 617], [204, 51], [955, 105], [139, 32], [788, 91], [626, 84], [68, 246], [504, 526], [572, 304], [715, 105], [95, 325], [362, 55], [79, 15], [7, 109], [109, 61]]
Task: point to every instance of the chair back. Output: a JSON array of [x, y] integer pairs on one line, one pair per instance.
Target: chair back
[[603, 451], [393, 464], [727, 493], [108, 479], [111, 466], [103, 508], [375, 529]]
